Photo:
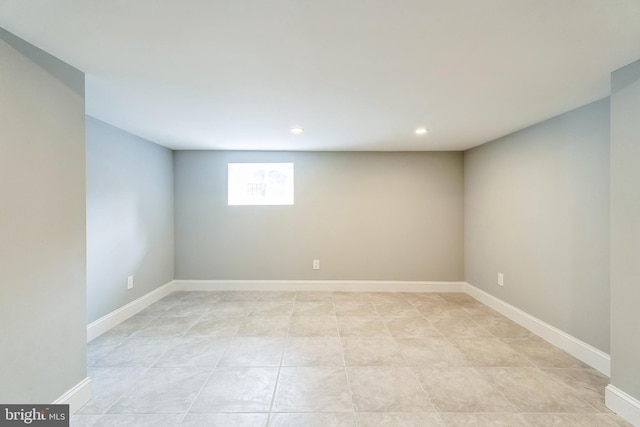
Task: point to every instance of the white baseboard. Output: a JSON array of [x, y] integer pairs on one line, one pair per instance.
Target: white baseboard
[[103, 324], [580, 350], [76, 397], [622, 404], [318, 285]]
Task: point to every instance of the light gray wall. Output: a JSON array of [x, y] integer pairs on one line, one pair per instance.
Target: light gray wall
[[365, 216], [536, 210], [625, 229], [129, 217], [42, 225]]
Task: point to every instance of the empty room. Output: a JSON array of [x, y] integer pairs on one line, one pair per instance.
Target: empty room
[[332, 213]]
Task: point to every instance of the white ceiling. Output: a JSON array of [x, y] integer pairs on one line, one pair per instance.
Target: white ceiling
[[356, 74]]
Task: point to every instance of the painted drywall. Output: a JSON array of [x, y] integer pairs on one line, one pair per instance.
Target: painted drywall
[[537, 210], [129, 217], [42, 225], [625, 229], [365, 216]]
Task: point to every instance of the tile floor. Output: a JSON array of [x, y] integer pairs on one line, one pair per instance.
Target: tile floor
[[334, 359]]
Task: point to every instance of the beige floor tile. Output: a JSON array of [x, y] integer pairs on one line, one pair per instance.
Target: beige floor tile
[[211, 296], [350, 296], [166, 326], [80, 420], [313, 309], [568, 420], [396, 309], [459, 298], [264, 326], [480, 310], [417, 297], [326, 419], [253, 351], [226, 310], [531, 390], [353, 326], [461, 390], [387, 389], [355, 308], [452, 353], [134, 351], [158, 308], [386, 297], [241, 296], [440, 308], [283, 296], [313, 326], [618, 420], [217, 327], [190, 308], [398, 419], [502, 327], [313, 296], [237, 390], [408, 327], [194, 351], [272, 308], [313, 351], [108, 385], [101, 346], [162, 391], [315, 389], [424, 297], [486, 352], [176, 296], [129, 326], [138, 420], [431, 352], [460, 327], [458, 419], [372, 351], [588, 383], [225, 420], [543, 354]]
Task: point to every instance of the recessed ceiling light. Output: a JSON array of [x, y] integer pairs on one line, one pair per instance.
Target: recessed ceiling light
[[297, 130], [421, 131]]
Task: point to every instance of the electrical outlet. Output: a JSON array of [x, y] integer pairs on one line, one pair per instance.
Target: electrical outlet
[[500, 279], [316, 264], [130, 282]]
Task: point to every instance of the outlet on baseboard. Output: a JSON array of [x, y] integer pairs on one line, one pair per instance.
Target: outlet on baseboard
[[500, 279], [130, 282]]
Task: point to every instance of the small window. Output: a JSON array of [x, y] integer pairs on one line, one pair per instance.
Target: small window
[[260, 183]]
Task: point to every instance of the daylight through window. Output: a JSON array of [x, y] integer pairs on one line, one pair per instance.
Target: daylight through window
[[260, 184]]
